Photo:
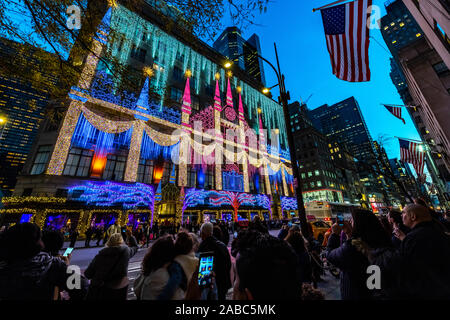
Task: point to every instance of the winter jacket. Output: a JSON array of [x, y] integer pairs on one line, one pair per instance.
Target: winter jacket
[[36, 279], [353, 265], [222, 261], [109, 268], [153, 286], [180, 272], [419, 268]]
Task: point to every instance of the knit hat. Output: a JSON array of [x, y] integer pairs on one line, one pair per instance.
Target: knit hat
[[115, 240]]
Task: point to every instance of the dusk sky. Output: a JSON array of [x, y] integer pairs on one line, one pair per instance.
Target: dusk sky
[[305, 61]]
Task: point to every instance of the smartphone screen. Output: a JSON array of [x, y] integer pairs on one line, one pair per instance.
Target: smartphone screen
[[67, 252], [205, 269]]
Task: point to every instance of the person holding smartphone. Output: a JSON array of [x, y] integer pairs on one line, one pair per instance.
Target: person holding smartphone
[[222, 259]]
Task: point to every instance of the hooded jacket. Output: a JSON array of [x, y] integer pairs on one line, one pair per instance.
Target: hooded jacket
[[109, 267], [35, 279]]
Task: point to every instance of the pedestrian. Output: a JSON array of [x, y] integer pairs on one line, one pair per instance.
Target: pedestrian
[[184, 265], [28, 272], [89, 233], [266, 268], [99, 235], [297, 242], [108, 270], [256, 224], [155, 275], [395, 220], [418, 269], [130, 239], [53, 242], [222, 260], [73, 236], [217, 233], [364, 230]]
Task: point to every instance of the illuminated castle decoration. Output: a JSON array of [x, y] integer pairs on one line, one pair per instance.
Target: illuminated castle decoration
[[103, 122], [218, 152], [169, 206], [185, 139]]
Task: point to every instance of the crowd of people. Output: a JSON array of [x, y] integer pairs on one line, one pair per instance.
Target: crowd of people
[[411, 249]]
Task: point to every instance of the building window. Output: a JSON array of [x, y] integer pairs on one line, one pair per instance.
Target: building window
[[78, 162], [176, 94], [210, 175], [192, 177], [440, 68], [145, 171], [115, 168], [138, 53], [319, 183], [317, 172], [177, 74], [42, 157], [310, 174]]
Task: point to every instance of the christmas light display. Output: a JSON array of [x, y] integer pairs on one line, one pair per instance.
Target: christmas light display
[[288, 203], [114, 194], [235, 199]]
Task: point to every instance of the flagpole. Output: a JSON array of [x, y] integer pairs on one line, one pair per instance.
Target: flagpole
[[397, 105], [331, 4], [409, 139]]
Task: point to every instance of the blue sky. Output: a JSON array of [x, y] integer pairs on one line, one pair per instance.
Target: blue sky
[[305, 61]]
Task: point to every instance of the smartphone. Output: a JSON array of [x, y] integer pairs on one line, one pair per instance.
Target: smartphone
[[67, 252], [205, 269], [341, 221]]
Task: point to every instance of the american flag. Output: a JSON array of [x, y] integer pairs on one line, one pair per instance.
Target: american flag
[[396, 111], [411, 152], [347, 37]]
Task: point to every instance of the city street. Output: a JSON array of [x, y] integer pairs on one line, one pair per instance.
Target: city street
[[83, 256]]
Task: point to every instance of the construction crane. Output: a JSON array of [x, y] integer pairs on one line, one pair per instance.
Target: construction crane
[[306, 99]]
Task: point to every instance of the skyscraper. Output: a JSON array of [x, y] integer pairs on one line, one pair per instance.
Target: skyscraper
[[22, 106], [231, 44], [343, 122], [419, 72]]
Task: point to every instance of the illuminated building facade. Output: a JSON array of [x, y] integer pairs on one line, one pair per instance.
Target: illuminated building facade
[[22, 108], [180, 149]]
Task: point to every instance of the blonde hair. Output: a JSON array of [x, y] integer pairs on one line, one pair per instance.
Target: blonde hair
[[115, 240]]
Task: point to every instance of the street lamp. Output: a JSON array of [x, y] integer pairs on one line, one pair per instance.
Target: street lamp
[[2, 125], [283, 100]]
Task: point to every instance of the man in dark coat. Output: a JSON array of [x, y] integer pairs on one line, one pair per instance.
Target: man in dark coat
[[419, 269], [222, 260]]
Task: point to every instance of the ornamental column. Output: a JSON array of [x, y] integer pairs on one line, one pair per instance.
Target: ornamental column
[[218, 136], [185, 137], [244, 158], [263, 152], [283, 176], [134, 154]]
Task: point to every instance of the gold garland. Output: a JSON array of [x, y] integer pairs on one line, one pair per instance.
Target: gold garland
[[105, 125], [163, 139]]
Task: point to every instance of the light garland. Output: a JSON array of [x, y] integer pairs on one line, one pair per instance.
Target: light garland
[[22, 200], [106, 125]]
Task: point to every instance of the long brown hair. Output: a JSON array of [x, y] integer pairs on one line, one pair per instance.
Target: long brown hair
[[160, 253]]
